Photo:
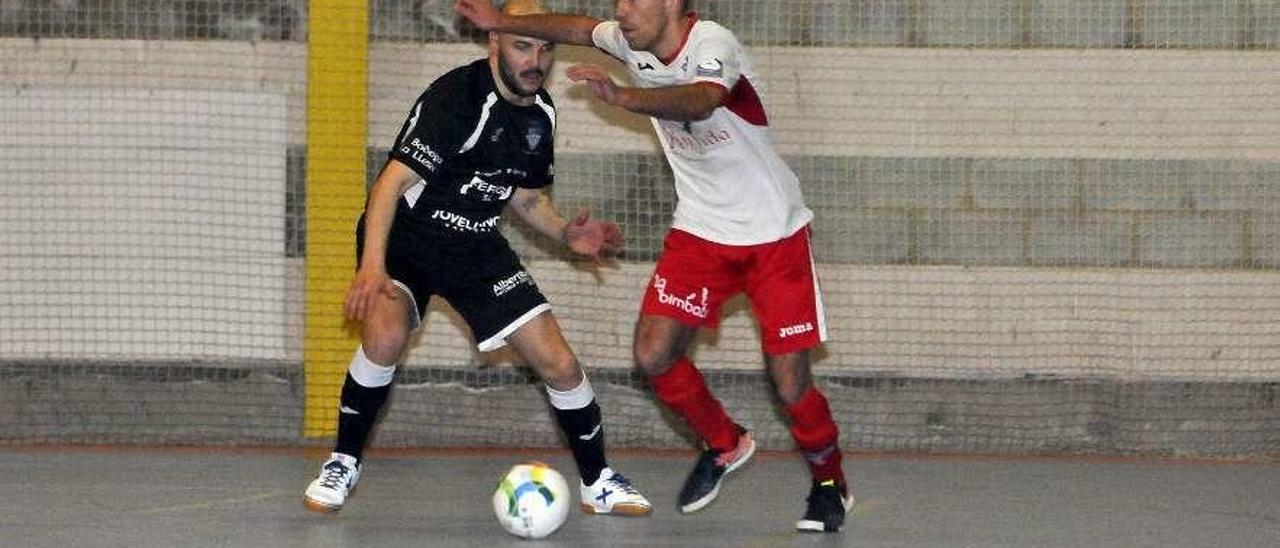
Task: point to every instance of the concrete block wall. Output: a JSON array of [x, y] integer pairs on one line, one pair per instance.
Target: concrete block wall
[[954, 153], [1076, 238], [1214, 24], [990, 23], [1266, 25], [1078, 23], [1194, 23], [984, 211], [861, 22], [919, 162], [1095, 198]]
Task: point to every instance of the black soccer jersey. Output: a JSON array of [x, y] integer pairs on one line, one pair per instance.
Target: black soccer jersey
[[472, 149]]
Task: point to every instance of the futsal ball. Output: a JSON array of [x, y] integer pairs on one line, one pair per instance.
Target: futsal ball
[[532, 500]]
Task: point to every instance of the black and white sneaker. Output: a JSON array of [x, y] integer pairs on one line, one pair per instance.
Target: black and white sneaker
[[329, 491], [828, 503], [703, 483]]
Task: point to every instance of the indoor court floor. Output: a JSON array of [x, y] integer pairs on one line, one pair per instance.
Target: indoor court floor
[[251, 497]]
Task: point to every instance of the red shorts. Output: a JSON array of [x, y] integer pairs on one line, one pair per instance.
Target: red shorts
[[695, 276]]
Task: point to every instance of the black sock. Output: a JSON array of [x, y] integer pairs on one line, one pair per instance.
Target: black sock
[[578, 424], [354, 427]]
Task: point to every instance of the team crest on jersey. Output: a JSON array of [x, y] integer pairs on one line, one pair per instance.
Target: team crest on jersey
[[711, 68], [534, 136]]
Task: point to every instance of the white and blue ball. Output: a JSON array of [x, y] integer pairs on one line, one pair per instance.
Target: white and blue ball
[[532, 500]]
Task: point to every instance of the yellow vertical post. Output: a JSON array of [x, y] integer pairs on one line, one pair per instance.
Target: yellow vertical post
[[337, 115]]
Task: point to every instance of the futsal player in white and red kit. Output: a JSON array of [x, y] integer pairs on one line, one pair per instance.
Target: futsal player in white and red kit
[[740, 226]]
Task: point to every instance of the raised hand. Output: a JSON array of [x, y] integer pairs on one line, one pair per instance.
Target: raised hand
[[591, 237], [481, 13], [369, 285], [597, 80]]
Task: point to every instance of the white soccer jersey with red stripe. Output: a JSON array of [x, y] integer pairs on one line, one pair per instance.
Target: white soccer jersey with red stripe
[[732, 186]]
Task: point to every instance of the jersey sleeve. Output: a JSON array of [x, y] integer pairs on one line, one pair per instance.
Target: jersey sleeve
[[432, 134], [717, 58], [608, 37]]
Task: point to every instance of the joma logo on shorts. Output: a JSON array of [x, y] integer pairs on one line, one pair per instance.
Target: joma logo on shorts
[[686, 303], [784, 332]]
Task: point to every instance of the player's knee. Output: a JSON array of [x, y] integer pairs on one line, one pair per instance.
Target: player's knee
[[563, 372], [384, 337], [383, 344], [652, 359], [659, 342], [382, 350], [791, 377], [792, 390]]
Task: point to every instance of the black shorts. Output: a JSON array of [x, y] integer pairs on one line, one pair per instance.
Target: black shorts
[[482, 279]]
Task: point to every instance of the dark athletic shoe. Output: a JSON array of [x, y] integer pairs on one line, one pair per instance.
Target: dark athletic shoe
[[704, 481], [828, 503]]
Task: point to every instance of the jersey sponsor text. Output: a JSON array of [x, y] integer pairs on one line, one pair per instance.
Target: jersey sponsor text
[[507, 284], [464, 224], [488, 191], [422, 154], [684, 138]]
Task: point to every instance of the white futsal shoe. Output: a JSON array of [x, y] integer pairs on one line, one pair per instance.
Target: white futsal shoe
[[336, 481], [612, 493]]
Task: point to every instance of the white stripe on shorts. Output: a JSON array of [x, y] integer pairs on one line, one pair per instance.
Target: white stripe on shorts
[[817, 291], [499, 339], [415, 321]]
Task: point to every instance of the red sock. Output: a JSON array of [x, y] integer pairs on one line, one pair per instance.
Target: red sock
[[683, 389], [817, 435]]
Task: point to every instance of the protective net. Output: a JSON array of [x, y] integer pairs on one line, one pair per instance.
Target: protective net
[[1041, 225]]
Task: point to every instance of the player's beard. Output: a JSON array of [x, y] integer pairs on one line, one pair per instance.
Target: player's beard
[[512, 82]]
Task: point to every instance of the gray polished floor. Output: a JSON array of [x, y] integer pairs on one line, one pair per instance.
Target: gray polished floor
[[58, 497]]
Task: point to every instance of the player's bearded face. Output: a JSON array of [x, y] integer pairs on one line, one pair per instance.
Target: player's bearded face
[[523, 63], [641, 22]]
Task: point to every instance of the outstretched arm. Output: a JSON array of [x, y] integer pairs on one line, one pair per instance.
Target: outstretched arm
[[687, 102], [553, 27], [583, 235]]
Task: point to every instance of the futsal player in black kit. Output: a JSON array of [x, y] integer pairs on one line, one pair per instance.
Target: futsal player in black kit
[[477, 141]]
